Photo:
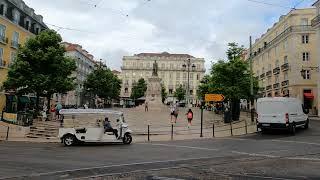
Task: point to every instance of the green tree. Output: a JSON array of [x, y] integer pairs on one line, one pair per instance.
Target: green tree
[[164, 93], [230, 78], [139, 89], [41, 67], [103, 83], [180, 93]]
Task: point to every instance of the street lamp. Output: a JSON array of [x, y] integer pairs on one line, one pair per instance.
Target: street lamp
[[186, 67]]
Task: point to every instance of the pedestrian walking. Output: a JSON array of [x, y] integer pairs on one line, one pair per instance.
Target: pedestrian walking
[[176, 113], [171, 112], [58, 108], [146, 109], [189, 117], [53, 112]]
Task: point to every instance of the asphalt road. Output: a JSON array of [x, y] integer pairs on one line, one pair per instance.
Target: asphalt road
[[277, 155]]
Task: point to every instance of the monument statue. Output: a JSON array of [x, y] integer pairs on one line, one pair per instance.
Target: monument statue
[[155, 69]]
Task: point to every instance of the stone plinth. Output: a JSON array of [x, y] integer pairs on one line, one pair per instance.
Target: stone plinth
[[153, 94]]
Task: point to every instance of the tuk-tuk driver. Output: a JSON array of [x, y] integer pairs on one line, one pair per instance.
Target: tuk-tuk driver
[[108, 128]]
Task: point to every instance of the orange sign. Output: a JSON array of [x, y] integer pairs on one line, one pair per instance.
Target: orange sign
[[214, 97]]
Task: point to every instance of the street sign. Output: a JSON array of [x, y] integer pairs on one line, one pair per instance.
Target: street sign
[[214, 97]]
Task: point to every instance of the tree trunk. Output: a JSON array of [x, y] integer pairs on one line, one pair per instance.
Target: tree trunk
[[235, 109], [48, 103], [37, 104]]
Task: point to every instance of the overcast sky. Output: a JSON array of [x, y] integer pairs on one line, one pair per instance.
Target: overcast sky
[[110, 29]]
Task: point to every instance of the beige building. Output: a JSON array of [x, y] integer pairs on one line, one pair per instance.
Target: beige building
[[171, 71], [284, 57]]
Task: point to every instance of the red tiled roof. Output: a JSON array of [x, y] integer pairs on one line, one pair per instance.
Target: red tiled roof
[[74, 47], [116, 72], [164, 54]]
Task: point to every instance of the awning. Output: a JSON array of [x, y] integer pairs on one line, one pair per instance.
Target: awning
[[33, 100], [24, 99], [308, 95]]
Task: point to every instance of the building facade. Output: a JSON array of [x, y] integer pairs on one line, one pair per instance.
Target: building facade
[[18, 22], [85, 65], [170, 70], [284, 55]]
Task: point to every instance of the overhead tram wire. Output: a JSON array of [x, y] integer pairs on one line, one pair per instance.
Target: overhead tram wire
[[67, 28], [270, 4]]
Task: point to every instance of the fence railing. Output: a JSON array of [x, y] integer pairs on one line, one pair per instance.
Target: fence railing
[[175, 130]]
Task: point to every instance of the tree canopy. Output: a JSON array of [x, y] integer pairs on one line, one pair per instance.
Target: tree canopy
[[41, 67], [180, 93], [139, 89], [103, 83]]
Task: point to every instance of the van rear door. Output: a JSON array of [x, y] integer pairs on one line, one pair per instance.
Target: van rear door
[[271, 112]]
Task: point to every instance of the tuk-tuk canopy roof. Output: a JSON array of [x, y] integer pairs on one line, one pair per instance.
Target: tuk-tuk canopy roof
[[89, 111]]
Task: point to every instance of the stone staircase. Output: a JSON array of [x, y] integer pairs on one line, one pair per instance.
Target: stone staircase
[[44, 129]]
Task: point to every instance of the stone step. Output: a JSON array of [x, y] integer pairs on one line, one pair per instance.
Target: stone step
[[44, 128], [42, 135], [44, 132]]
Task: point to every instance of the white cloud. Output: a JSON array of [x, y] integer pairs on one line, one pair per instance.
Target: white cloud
[[201, 28]]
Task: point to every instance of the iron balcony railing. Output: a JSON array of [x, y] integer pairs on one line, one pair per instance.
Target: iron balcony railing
[[291, 29], [276, 86], [262, 75], [261, 89], [315, 21], [4, 39], [285, 83], [285, 67], [276, 70], [15, 44], [268, 73], [269, 87]]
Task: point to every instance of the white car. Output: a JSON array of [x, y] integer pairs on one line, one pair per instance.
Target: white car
[[87, 125], [281, 113]]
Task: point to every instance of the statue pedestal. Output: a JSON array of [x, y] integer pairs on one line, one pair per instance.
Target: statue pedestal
[[153, 94]]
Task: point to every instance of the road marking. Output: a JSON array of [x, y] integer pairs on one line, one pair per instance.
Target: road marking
[[297, 142], [107, 166], [302, 158], [255, 154], [179, 146]]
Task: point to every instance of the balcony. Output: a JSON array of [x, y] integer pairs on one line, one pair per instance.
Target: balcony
[[3, 40], [261, 89], [291, 29], [315, 21], [269, 73], [285, 83], [15, 44], [276, 70], [285, 67], [276, 86], [262, 76], [269, 87]]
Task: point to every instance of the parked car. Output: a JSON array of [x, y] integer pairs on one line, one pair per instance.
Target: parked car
[[281, 113]]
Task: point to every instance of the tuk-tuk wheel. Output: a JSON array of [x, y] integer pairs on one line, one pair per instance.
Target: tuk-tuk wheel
[[69, 140], [127, 139]]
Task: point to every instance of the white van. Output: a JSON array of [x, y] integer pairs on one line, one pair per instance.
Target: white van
[[281, 113]]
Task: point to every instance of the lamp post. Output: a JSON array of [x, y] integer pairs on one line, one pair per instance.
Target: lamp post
[[186, 67]]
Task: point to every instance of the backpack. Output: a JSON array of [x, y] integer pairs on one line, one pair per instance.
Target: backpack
[[189, 115]]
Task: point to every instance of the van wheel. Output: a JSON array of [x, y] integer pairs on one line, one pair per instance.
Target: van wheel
[[306, 125], [69, 140], [293, 129]]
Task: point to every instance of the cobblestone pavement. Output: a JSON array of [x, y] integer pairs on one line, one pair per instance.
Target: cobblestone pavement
[[160, 123]]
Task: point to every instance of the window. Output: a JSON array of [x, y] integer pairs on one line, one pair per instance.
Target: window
[[191, 76], [13, 57], [306, 74], [16, 16], [198, 76], [285, 44], [184, 76], [276, 79], [277, 63], [126, 90], [305, 39], [171, 66], [148, 65], [285, 76], [2, 33], [305, 56], [1, 57], [170, 91], [304, 21], [163, 66], [285, 59], [2, 9], [170, 75], [178, 76], [15, 39], [27, 25]]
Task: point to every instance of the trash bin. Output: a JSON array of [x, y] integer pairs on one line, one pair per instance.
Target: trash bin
[[227, 117]]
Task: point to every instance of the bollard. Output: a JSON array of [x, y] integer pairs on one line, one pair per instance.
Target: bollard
[[246, 126], [171, 131], [148, 132], [201, 134], [212, 129], [7, 133], [231, 128]]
